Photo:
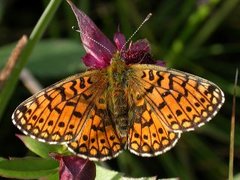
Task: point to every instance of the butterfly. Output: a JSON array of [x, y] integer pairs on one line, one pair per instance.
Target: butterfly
[[140, 107]]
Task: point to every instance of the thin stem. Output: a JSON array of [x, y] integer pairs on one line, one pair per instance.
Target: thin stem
[[231, 149]]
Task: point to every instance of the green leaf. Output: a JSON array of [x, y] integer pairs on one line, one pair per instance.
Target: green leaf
[[52, 58], [2, 159], [237, 176], [103, 173], [106, 174], [28, 168], [52, 176], [40, 148]]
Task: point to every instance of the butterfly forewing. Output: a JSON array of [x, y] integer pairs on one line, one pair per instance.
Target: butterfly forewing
[[179, 100], [58, 113]]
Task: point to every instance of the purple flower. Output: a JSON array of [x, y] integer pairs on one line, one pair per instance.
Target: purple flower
[[100, 49], [74, 167]]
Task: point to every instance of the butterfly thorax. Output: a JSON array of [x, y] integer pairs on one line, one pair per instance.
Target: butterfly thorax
[[117, 73]]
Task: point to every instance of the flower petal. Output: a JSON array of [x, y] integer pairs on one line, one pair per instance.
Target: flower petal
[[91, 37], [119, 40], [140, 45], [138, 52], [160, 63], [92, 62], [74, 167]]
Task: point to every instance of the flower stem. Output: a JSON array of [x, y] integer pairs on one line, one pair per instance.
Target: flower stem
[[232, 133]]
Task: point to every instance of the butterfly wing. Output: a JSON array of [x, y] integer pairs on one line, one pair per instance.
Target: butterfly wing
[[57, 114], [148, 135], [98, 139], [74, 112], [167, 102]]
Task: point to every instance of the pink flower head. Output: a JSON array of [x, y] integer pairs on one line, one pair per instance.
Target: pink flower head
[[100, 49]]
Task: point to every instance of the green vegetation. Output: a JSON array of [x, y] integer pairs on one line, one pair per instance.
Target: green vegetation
[[201, 37]]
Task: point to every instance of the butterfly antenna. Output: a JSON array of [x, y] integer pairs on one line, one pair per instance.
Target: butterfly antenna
[[145, 20], [85, 35]]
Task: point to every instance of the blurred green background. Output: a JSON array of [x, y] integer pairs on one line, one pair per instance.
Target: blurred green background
[[197, 36]]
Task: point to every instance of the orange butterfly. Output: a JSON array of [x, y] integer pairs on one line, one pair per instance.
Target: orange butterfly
[[120, 105]]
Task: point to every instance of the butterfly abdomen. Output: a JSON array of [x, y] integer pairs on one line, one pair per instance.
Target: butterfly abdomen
[[117, 73], [120, 112]]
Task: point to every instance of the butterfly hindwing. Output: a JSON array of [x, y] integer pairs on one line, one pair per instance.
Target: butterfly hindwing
[[98, 139], [148, 135], [180, 100]]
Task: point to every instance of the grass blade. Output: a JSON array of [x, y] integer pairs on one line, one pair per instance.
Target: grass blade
[[231, 149]]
